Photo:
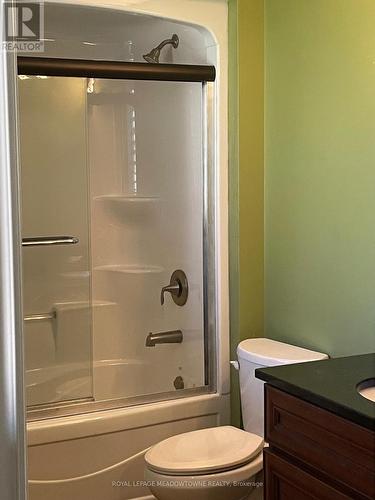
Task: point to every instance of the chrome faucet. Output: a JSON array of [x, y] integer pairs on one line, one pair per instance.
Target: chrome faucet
[[178, 288]]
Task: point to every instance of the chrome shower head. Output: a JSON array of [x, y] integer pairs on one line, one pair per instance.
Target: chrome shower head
[[154, 54]]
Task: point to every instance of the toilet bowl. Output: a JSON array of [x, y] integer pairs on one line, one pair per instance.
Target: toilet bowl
[[209, 464], [223, 463]]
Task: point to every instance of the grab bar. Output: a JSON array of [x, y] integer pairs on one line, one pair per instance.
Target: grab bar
[[41, 317], [172, 337], [49, 240]]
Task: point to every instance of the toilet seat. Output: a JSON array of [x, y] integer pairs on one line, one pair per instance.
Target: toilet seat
[[205, 451], [234, 484], [237, 474]]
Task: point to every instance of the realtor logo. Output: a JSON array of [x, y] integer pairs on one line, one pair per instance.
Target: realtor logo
[[24, 26]]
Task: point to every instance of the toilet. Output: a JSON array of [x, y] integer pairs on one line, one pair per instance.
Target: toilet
[[223, 463]]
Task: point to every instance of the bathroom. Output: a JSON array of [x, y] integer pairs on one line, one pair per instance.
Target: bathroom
[[186, 197]]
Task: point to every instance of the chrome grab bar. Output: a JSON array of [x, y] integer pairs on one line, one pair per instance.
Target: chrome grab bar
[[49, 240], [172, 337], [41, 317]]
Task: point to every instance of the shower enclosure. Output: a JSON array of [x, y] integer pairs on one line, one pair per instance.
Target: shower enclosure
[[123, 182], [117, 232], [113, 203]]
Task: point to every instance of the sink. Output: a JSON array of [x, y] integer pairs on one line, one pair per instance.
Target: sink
[[366, 388]]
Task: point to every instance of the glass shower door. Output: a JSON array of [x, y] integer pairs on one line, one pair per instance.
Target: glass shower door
[[55, 231], [147, 201], [115, 204]]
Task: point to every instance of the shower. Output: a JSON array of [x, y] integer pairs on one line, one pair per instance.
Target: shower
[[154, 54], [121, 287]]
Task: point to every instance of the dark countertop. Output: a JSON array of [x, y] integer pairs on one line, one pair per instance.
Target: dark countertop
[[330, 384]]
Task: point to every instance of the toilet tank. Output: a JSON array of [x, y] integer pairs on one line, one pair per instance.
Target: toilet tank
[[260, 353]]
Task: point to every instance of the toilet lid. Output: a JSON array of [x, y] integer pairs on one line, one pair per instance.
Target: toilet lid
[[267, 352], [206, 450]]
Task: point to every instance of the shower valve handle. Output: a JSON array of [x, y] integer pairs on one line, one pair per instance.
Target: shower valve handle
[[172, 289], [178, 288]]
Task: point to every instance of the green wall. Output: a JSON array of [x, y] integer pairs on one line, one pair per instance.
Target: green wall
[[246, 180], [320, 174], [308, 68]]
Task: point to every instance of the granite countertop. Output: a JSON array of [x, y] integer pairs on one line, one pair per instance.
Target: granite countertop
[[330, 384]]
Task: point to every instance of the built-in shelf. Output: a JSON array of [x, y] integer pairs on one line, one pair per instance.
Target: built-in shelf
[[126, 199], [83, 304], [130, 269], [76, 274], [103, 303], [104, 97]]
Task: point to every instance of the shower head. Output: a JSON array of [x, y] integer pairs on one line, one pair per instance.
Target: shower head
[[154, 54]]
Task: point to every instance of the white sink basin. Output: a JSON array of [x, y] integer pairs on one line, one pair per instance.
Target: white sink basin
[[367, 389]]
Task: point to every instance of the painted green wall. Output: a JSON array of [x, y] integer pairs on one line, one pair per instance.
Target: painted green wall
[[320, 174], [246, 179]]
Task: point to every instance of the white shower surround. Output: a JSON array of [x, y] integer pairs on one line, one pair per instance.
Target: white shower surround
[[86, 444]]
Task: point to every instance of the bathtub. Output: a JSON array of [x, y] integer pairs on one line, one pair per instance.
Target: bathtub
[[127, 378], [99, 455], [57, 383], [111, 378]]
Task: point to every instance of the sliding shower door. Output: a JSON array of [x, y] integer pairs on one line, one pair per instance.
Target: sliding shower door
[[55, 232], [117, 247], [147, 201]]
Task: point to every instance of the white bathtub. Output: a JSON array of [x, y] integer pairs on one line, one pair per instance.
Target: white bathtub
[[128, 378], [57, 383], [99, 455], [111, 379]]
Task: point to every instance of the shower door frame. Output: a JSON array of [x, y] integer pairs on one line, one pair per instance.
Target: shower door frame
[[13, 476], [154, 72]]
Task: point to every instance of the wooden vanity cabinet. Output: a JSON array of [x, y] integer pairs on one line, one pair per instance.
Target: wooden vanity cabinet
[[313, 453]]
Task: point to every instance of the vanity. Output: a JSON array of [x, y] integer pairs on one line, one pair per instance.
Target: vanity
[[320, 430]]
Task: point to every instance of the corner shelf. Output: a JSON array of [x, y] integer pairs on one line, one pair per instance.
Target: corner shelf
[[126, 199], [84, 304], [130, 269]]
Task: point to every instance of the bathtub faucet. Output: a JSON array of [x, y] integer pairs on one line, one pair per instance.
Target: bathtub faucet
[[172, 337]]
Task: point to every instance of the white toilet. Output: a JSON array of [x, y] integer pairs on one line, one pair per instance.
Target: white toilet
[[221, 463]]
